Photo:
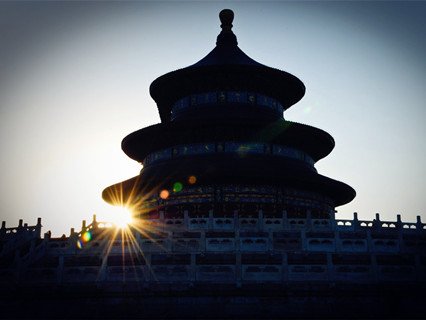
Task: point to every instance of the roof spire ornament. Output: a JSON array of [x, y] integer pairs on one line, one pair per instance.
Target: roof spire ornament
[[226, 36], [226, 17]]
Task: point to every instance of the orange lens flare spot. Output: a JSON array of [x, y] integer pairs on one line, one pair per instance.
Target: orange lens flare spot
[[192, 179], [164, 194]]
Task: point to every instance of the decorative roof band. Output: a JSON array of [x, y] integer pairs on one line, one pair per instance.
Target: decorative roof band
[[288, 198], [226, 97], [237, 148]]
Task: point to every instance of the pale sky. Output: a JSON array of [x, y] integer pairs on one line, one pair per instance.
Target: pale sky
[[74, 81]]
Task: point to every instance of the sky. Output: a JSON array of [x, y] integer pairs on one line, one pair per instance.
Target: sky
[[74, 81]]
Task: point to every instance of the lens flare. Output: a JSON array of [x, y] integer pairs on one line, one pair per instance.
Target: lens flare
[[177, 186], [125, 220], [164, 194], [122, 217], [192, 179], [307, 110], [87, 236], [79, 244]]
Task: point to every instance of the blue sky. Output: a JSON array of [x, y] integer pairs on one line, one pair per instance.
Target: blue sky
[[75, 78]]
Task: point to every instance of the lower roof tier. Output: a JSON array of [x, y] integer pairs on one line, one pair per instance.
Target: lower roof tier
[[227, 169], [315, 142]]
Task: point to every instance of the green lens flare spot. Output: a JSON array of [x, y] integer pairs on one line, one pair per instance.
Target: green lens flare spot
[[177, 186]]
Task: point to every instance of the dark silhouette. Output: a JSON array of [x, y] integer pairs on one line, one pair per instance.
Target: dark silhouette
[[232, 220]]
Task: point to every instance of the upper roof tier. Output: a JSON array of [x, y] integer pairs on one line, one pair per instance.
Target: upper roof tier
[[225, 68]]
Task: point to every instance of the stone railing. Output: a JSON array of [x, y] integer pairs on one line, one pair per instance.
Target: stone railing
[[378, 224]]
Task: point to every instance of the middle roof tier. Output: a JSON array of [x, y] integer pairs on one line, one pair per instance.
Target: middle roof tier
[[315, 142]]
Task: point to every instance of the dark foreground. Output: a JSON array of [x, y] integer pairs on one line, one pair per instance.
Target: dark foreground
[[217, 302]]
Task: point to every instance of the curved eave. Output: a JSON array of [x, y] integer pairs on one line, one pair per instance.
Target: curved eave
[[316, 142], [248, 170], [167, 89], [121, 194]]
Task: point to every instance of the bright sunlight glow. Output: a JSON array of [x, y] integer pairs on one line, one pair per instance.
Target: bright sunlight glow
[[121, 217]]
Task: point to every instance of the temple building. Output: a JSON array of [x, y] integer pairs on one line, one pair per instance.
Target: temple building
[[230, 218]]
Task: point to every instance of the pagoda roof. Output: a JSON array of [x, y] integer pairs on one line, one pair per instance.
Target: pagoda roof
[[226, 67], [226, 54], [251, 169], [316, 142]]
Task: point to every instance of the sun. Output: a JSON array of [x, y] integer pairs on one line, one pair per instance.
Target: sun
[[121, 217]]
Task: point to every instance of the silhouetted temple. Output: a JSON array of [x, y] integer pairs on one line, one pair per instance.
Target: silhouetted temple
[[232, 218]]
